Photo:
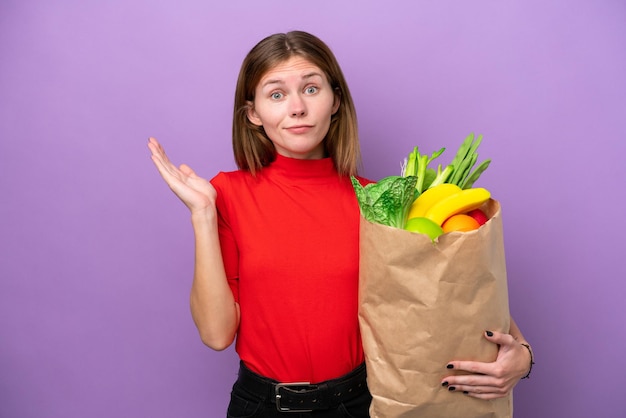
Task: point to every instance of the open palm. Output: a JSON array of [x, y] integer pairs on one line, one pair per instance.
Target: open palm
[[195, 192]]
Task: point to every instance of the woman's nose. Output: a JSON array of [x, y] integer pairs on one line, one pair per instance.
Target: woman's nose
[[297, 106]]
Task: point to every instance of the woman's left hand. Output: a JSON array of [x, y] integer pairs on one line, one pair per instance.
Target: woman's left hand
[[491, 380]]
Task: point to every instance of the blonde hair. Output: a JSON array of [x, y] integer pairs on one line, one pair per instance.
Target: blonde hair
[[252, 148]]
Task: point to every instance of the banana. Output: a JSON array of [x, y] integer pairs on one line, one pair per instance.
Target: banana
[[463, 201], [431, 196]]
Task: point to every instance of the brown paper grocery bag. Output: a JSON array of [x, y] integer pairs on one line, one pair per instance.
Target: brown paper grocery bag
[[423, 304]]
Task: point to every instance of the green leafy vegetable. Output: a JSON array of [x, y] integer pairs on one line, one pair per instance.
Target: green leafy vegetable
[[463, 162], [417, 165], [442, 175], [388, 201]]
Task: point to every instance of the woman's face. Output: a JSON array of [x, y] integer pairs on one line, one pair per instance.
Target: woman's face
[[294, 103]]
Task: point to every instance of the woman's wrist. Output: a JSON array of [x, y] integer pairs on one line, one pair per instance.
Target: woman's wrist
[[204, 215], [204, 220], [532, 360]]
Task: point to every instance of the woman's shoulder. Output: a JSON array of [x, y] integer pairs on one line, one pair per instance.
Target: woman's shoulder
[[225, 178], [231, 187]]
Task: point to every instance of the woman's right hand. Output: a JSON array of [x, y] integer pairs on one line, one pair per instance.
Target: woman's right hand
[[195, 192]]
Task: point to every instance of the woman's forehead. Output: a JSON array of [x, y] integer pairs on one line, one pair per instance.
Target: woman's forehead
[[294, 67]]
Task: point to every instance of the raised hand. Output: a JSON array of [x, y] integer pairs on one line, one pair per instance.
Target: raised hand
[[195, 192]]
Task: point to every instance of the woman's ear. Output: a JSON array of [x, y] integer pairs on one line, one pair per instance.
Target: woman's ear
[[252, 115], [337, 101]]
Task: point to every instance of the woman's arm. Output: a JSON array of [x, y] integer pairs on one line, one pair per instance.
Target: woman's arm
[[213, 307], [496, 379]]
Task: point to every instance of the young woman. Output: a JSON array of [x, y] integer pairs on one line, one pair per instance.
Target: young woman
[[276, 243]]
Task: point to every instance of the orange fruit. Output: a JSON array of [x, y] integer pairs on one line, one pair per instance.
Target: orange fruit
[[460, 222]]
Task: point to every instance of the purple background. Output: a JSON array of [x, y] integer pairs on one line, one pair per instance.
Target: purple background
[[96, 253]]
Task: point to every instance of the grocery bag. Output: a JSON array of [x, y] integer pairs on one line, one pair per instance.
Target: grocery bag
[[423, 304]]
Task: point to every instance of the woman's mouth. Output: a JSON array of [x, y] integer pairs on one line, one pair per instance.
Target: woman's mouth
[[299, 129]]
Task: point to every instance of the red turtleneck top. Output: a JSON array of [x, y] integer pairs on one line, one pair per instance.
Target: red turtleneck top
[[289, 240]]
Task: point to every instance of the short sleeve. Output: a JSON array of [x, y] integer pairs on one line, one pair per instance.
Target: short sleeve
[[228, 244]]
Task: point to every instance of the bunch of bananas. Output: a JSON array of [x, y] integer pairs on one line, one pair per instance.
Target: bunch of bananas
[[445, 200], [445, 208]]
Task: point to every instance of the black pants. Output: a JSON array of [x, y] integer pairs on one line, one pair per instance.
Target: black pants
[[253, 397]]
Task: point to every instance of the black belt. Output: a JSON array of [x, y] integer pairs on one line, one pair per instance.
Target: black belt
[[302, 396]]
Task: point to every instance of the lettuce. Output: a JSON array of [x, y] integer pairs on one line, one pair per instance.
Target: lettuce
[[388, 201]]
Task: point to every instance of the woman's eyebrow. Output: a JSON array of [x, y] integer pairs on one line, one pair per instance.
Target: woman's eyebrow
[[278, 81], [271, 82], [312, 75]]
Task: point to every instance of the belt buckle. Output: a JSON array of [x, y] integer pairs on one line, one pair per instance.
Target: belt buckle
[[279, 397]]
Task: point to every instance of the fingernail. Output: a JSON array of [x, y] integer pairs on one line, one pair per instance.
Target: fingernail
[[450, 366], [444, 384], [465, 392], [489, 334], [451, 388]]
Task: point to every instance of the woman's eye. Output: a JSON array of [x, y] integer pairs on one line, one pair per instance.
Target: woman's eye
[[276, 96], [311, 90]]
